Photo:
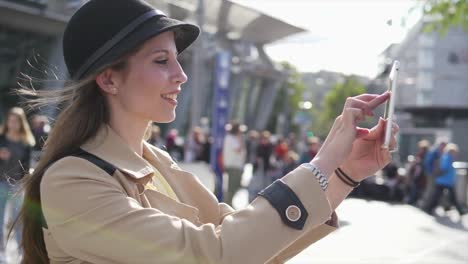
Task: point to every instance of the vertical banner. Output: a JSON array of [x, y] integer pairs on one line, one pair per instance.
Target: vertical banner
[[220, 116]]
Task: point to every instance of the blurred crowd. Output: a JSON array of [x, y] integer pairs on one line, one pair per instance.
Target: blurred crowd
[[21, 143], [271, 156], [426, 180]]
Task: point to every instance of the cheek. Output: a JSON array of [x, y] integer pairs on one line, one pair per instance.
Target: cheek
[[142, 93]]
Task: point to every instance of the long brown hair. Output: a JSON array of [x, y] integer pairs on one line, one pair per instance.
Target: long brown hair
[[26, 135], [84, 111]]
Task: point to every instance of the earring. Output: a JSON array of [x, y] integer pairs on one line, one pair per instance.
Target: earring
[[114, 90]]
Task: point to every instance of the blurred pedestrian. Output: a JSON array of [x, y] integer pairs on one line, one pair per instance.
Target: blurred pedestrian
[[175, 145], [102, 194], [16, 142], [194, 144], [393, 182], [432, 168], [251, 146], [155, 138], [416, 177], [206, 141], [281, 149], [264, 153], [312, 148], [291, 162], [234, 153], [291, 140], [446, 181], [40, 128]]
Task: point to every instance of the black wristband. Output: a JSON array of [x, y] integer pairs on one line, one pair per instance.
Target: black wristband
[[346, 179]]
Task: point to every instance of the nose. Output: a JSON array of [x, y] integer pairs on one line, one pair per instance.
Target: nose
[[179, 75]]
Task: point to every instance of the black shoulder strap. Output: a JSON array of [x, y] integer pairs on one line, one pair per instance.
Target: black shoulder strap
[[104, 165]]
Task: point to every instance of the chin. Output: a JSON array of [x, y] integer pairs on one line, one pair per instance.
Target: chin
[[165, 119]]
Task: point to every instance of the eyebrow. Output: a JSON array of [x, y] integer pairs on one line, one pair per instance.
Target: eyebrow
[[163, 51]]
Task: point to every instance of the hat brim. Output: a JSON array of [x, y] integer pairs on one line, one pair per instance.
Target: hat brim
[[185, 35]]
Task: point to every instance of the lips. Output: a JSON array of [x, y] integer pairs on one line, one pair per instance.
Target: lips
[[171, 97]]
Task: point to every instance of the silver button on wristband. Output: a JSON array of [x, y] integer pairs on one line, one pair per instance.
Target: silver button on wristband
[[318, 175]]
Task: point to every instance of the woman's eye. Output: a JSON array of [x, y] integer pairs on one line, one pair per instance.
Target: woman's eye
[[161, 61]]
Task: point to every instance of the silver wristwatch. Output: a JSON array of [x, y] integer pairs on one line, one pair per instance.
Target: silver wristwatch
[[318, 175]]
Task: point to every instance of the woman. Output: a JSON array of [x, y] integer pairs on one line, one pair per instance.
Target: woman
[[101, 194], [234, 153], [16, 142]]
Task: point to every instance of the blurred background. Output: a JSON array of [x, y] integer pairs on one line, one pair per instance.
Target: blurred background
[[267, 79]]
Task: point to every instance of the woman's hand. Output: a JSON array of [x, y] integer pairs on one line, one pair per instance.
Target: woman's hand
[[339, 143], [367, 155]]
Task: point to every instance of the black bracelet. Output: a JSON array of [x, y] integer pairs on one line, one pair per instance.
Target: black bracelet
[[343, 179], [346, 179]]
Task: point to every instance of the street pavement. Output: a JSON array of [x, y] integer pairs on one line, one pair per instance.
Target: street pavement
[[379, 232]]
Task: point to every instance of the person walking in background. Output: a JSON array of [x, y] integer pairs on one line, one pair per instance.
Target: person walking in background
[[16, 142], [251, 146], [234, 154], [291, 140], [264, 152], [393, 182], [416, 176], [313, 147], [291, 162], [281, 150], [40, 128], [194, 145], [174, 145], [263, 160], [432, 168], [446, 180], [155, 137], [206, 141]]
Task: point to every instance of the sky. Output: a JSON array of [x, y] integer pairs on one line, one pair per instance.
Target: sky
[[343, 35]]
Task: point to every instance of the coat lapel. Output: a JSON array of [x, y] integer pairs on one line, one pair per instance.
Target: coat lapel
[[134, 172], [187, 187]]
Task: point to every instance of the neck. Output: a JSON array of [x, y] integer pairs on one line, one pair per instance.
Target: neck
[[132, 134]]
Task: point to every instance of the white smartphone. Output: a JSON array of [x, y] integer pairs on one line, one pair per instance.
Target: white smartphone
[[390, 105]]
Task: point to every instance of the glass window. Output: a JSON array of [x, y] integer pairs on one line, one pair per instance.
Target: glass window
[[424, 98], [426, 40], [425, 80], [426, 58]]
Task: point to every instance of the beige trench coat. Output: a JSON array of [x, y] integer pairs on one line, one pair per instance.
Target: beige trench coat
[[93, 217]]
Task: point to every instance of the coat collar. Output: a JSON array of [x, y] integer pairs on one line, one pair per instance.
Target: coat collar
[[109, 146]]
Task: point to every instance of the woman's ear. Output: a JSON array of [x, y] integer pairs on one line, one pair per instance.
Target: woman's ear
[[108, 81]]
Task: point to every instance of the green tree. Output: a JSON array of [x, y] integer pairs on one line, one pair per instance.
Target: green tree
[[447, 13], [334, 102]]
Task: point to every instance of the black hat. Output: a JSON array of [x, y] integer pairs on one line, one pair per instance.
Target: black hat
[[102, 31]]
